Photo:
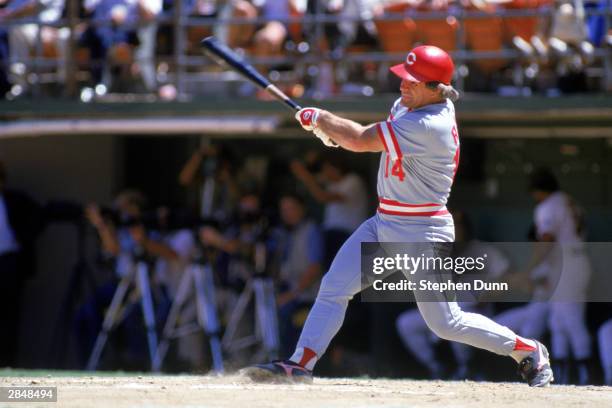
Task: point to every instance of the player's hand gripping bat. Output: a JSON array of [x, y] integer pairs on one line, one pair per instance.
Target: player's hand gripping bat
[[222, 53]]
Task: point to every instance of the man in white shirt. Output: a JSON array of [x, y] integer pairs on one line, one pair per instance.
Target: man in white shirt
[[344, 195], [559, 220]]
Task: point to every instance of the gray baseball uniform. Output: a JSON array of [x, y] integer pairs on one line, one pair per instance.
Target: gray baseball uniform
[[415, 177]]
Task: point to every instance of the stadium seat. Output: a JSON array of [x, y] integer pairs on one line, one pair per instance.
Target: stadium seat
[[439, 32], [485, 34], [396, 36], [523, 27]]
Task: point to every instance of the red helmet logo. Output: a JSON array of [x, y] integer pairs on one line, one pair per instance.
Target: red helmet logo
[[411, 58], [426, 63]]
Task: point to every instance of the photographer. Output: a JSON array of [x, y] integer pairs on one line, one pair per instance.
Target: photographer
[[236, 244], [123, 235], [295, 256], [212, 169], [248, 224]]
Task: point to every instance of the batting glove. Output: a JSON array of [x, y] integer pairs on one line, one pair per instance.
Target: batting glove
[[308, 118], [327, 141]]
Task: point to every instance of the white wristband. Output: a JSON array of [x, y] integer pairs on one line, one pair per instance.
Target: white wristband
[[327, 141]]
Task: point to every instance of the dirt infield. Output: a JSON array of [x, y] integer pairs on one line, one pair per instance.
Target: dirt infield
[[235, 391]]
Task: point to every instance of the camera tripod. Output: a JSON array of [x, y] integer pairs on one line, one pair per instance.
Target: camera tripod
[[199, 276], [260, 289], [138, 275]]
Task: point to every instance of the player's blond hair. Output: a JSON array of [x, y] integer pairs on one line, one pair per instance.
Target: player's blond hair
[[447, 91]]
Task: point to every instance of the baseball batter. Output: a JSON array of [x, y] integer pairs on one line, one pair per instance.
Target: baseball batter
[[420, 154]]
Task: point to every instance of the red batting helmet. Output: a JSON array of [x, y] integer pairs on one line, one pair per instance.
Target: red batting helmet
[[426, 63]]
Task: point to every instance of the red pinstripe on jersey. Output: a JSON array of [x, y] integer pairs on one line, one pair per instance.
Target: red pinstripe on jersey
[[385, 132], [393, 207], [455, 134], [394, 140], [382, 137], [384, 142], [414, 214]]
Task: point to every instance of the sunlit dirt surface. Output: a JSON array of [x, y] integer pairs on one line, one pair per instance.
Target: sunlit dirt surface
[[237, 391]]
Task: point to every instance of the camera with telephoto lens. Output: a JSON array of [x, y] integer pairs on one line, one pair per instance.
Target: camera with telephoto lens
[[70, 211]]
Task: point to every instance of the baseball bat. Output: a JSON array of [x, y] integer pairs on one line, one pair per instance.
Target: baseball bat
[[222, 52]]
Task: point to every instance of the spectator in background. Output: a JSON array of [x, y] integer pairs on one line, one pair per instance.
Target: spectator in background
[[213, 170], [130, 37], [568, 42], [523, 33], [344, 195], [298, 252], [121, 238], [264, 39], [24, 37], [201, 9], [147, 36], [20, 223], [560, 221], [353, 27]]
